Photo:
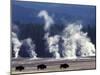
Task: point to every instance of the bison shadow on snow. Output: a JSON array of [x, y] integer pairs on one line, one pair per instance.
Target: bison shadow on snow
[[64, 66], [41, 67], [19, 68]]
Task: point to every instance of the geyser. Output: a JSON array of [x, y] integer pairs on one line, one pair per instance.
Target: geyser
[[72, 42], [76, 43], [52, 41], [16, 44], [28, 49]]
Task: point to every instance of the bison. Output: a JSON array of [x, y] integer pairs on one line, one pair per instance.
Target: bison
[[19, 68], [41, 67], [64, 66]]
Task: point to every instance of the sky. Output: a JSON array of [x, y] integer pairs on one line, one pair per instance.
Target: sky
[[61, 13]]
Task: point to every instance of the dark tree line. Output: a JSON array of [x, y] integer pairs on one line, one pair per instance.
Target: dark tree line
[[36, 32]]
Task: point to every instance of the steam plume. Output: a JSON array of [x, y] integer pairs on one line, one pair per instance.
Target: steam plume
[[15, 29], [53, 45], [72, 43], [76, 43], [48, 19], [22, 48], [52, 41], [28, 49], [16, 44]]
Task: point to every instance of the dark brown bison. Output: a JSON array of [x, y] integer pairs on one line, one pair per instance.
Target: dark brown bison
[[64, 66], [19, 68], [41, 67]]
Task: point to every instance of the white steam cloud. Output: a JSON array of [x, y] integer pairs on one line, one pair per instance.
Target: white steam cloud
[[52, 41], [16, 44], [48, 19], [29, 48], [75, 42], [53, 45]]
